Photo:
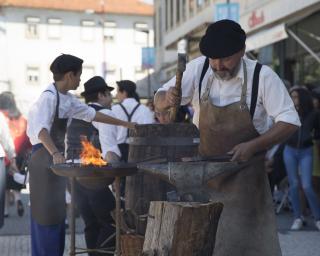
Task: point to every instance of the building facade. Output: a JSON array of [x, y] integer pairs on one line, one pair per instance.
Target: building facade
[[281, 33], [108, 35]]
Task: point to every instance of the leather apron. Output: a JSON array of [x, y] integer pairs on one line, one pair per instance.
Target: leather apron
[[47, 190], [247, 226]]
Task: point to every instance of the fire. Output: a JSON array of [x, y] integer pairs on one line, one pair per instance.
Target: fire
[[90, 154]]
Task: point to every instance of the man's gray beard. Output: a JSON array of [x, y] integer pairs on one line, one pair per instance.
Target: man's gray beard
[[227, 75]]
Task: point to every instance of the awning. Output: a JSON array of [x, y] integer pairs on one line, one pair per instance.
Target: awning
[[266, 37]]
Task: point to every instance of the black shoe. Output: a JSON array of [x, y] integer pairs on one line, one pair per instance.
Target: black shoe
[[20, 208]]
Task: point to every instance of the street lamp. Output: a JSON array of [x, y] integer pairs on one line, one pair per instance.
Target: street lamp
[[148, 58], [100, 23]]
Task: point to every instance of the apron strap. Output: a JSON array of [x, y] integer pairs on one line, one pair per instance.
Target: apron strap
[[243, 90], [243, 98], [58, 102], [203, 72], [255, 87], [129, 116]]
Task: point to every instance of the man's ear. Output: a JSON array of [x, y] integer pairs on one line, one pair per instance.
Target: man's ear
[[67, 75], [100, 94]]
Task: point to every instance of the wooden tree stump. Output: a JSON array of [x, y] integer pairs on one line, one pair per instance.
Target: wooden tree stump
[[152, 141], [181, 229]]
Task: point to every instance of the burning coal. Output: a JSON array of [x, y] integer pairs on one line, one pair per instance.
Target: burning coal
[[90, 155]]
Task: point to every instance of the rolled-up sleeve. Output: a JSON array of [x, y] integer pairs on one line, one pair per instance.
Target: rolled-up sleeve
[[107, 135], [41, 115], [277, 101], [81, 111]]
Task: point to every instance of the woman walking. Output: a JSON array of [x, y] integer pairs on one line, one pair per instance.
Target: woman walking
[[298, 157]]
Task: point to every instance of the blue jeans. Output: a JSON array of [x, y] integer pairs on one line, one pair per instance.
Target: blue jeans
[[301, 160], [47, 240]]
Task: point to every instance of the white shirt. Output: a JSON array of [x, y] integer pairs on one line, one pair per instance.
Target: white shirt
[[142, 115], [6, 142], [41, 114], [107, 134], [273, 100]]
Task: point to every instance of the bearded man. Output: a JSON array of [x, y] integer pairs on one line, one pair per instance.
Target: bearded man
[[234, 99]]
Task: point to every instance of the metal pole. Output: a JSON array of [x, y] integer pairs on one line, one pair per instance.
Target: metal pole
[[117, 188], [306, 47], [73, 221], [228, 7], [102, 3], [148, 68], [103, 51]]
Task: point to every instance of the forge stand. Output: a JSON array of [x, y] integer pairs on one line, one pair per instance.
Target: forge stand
[[109, 172]]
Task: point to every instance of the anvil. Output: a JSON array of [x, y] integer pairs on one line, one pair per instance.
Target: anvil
[[191, 179]]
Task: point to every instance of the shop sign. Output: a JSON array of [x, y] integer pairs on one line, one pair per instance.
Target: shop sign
[[148, 57], [227, 11], [255, 19]]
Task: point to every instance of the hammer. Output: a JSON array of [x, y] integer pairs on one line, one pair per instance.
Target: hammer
[[181, 67]]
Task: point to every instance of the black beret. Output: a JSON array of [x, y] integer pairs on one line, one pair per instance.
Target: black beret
[[66, 63], [95, 84], [222, 39]]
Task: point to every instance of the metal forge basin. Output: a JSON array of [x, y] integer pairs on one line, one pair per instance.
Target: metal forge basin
[[94, 177], [192, 179]]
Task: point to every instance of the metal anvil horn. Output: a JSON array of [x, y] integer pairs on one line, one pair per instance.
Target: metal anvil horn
[[191, 179]]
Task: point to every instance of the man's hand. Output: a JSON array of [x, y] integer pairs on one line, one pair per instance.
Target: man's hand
[[131, 125], [242, 152], [173, 97], [58, 158], [13, 167]]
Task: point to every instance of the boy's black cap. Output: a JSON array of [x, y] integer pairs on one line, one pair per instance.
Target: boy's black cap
[[95, 84], [66, 63]]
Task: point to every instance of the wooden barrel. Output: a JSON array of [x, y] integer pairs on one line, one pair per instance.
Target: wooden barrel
[[156, 141]]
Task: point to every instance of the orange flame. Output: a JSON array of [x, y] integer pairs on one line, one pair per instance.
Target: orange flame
[[90, 154]]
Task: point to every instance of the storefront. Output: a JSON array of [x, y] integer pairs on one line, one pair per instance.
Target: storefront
[[287, 38]]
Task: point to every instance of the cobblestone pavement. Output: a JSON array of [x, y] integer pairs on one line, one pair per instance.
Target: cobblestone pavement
[[20, 245], [15, 239]]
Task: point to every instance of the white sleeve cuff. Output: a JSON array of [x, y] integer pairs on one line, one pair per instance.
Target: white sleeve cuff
[[289, 117]]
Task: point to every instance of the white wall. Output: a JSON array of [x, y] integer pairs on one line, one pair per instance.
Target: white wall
[[17, 52]]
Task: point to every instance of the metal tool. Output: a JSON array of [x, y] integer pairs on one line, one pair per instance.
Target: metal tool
[[181, 67]]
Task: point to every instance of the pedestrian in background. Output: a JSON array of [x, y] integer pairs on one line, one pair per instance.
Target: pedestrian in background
[[17, 126], [6, 150], [298, 157]]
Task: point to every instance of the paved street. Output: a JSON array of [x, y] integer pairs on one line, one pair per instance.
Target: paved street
[[15, 239]]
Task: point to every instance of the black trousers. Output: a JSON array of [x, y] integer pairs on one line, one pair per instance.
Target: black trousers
[[124, 149], [95, 207]]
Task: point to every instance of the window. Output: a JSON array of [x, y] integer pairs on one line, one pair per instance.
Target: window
[[32, 27], [33, 75], [141, 33], [109, 30], [166, 15], [87, 30], [54, 28]]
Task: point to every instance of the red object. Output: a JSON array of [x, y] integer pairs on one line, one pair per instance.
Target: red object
[[18, 127]]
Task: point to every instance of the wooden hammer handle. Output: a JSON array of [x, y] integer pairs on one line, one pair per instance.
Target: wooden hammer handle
[[174, 110]]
